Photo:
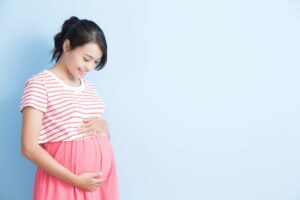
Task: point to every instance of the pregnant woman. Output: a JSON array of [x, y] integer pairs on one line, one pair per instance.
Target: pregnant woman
[[63, 130]]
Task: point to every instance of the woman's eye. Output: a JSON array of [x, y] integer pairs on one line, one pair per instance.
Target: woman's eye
[[85, 59]]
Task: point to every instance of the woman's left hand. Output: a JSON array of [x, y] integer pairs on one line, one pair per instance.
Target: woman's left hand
[[95, 125]]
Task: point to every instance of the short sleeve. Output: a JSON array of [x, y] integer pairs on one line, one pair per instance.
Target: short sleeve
[[34, 95]]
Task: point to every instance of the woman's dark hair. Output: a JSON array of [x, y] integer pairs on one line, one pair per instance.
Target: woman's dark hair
[[80, 32]]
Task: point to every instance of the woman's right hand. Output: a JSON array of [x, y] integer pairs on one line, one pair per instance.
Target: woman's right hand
[[94, 125], [89, 181]]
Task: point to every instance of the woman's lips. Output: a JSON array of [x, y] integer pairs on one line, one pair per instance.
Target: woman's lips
[[81, 72]]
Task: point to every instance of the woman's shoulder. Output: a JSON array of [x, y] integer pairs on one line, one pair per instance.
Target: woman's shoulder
[[38, 80], [40, 76]]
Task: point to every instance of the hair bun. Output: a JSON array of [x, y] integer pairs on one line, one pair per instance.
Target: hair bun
[[68, 23], [59, 37]]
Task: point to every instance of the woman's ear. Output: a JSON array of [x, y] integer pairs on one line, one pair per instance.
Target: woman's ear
[[66, 45]]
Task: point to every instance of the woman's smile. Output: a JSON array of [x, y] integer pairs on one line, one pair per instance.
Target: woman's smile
[[81, 72]]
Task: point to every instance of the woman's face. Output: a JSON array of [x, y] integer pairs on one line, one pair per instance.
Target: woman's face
[[82, 59]]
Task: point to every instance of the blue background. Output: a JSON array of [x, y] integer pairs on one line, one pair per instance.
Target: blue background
[[202, 96]]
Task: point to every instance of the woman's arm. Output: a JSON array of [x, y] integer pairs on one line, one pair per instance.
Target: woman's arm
[[31, 124]]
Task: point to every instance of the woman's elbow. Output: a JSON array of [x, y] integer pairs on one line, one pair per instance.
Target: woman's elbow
[[28, 149], [24, 150]]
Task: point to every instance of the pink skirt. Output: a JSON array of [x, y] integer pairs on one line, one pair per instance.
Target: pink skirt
[[93, 154]]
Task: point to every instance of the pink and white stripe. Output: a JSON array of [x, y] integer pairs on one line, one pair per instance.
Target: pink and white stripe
[[65, 107]]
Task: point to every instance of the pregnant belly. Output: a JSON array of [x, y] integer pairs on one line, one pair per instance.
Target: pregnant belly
[[92, 154]]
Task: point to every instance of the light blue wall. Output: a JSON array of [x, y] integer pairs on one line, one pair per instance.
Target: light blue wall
[[202, 96]]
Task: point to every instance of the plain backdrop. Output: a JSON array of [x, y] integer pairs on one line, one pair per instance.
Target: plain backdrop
[[202, 96]]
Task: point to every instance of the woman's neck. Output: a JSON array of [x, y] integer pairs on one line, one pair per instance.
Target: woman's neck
[[62, 72]]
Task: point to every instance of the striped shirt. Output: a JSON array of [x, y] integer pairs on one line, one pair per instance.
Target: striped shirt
[[64, 107]]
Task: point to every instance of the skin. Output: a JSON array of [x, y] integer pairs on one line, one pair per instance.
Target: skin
[[66, 69]]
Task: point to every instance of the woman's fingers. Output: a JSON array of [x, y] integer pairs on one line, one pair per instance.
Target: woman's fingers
[[90, 129], [87, 125], [93, 126], [99, 181], [96, 183]]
